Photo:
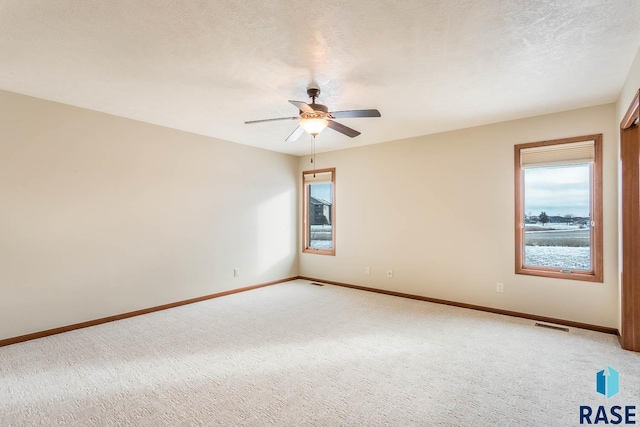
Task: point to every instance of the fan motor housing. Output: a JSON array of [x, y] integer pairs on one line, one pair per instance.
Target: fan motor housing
[[313, 92], [319, 107]]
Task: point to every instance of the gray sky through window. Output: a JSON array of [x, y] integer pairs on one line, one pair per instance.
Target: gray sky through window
[[560, 190], [322, 191]]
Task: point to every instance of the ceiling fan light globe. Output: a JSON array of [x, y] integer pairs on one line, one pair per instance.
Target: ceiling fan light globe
[[313, 126]]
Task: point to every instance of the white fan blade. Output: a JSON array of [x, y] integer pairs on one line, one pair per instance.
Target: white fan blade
[[302, 106], [295, 134]]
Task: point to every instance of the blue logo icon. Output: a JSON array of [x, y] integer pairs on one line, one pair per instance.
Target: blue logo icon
[[608, 384]]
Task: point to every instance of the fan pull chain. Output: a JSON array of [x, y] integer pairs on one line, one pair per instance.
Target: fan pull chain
[[313, 153]]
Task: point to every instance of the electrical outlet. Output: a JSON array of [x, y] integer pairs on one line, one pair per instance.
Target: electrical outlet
[[500, 287], [389, 274], [236, 272], [367, 271]]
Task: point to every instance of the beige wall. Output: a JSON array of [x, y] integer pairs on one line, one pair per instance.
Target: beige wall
[[439, 211], [101, 215]]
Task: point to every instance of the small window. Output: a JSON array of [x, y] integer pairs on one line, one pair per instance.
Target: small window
[[319, 211], [558, 196]]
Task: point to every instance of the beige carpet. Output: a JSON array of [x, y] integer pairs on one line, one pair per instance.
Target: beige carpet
[[295, 354]]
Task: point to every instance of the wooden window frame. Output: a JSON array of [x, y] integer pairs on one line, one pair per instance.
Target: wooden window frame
[[305, 214], [596, 275]]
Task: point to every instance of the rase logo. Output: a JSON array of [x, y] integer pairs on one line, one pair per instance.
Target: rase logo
[[608, 384]]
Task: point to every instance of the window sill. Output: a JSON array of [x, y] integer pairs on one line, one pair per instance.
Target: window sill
[[578, 275], [331, 252]]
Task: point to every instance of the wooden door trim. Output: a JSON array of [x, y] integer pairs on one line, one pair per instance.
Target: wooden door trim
[[630, 194], [633, 113]]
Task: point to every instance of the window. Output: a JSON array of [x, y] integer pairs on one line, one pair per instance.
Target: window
[[319, 210], [558, 197]]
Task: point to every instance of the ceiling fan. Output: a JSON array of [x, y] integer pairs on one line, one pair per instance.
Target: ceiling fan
[[313, 118]]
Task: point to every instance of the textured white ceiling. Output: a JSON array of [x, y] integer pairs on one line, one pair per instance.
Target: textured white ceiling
[[428, 66]]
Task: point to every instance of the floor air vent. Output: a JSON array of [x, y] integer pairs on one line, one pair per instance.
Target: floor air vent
[[317, 284], [557, 328]]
